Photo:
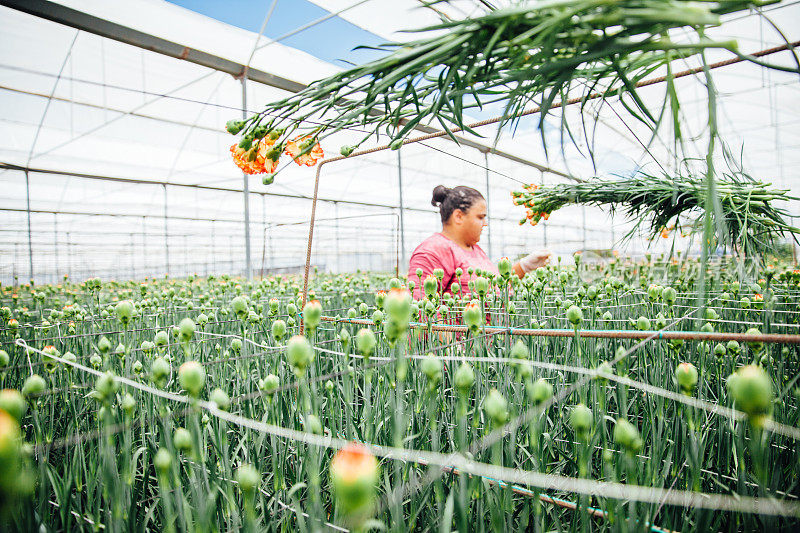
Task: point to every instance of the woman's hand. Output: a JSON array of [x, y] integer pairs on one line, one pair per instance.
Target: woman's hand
[[532, 262]]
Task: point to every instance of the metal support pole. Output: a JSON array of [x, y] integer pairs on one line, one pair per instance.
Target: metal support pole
[[213, 247], [583, 212], [144, 246], [28, 210], [488, 210], [613, 237], [336, 228], [186, 255], [69, 256], [133, 257], [166, 229], [263, 233], [246, 193], [544, 226], [402, 209], [16, 263], [55, 247]]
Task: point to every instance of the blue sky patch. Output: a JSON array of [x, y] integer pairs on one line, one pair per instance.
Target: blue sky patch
[[332, 41]]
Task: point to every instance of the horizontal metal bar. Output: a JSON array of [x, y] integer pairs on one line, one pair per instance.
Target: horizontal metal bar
[[773, 338], [124, 34]]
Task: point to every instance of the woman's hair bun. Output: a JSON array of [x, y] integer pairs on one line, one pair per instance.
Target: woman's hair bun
[[440, 192]]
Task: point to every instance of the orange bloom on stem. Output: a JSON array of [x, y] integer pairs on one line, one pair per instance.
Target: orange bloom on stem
[[260, 163], [296, 146]]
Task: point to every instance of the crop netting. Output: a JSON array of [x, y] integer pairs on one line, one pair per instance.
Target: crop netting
[[502, 450]]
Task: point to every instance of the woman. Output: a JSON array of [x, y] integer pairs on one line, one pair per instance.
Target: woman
[[463, 213]]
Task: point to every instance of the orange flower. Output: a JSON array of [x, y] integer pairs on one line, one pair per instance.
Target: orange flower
[[545, 215], [758, 297], [296, 146], [261, 163], [664, 233]]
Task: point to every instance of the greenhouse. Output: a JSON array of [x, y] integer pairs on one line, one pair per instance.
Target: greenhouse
[[409, 265]]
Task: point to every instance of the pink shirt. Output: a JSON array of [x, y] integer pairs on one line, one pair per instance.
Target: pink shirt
[[438, 251]]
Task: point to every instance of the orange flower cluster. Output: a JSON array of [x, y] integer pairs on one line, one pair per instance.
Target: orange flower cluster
[[255, 160], [665, 231], [263, 156], [534, 217], [296, 146]]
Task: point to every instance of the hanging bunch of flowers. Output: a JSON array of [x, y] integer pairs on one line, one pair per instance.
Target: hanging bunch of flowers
[[259, 149]]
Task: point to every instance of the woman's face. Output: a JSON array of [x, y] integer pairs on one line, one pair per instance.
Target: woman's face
[[472, 222]]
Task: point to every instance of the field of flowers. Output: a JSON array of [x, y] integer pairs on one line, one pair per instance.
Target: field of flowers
[[599, 396]]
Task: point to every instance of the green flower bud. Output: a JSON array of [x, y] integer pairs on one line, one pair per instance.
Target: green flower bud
[[248, 478], [128, 404], [365, 342], [278, 330], [34, 385], [312, 424], [105, 386], [756, 346], [234, 126], [472, 316], [627, 436], [481, 286], [496, 407], [192, 377], [669, 295], [124, 310], [431, 366], [751, 390], [270, 384], [312, 315], [519, 350], [347, 150], [299, 354], [162, 461], [186, 330], [540, 391], [344, 337], [221, 399], [504, 267], [464, 378], [161, 339], [182, 440], [581, 420], [719, 349], [686, 377], [104, 345], [159, 371], [236, 345], [575, 315], [13, 403]]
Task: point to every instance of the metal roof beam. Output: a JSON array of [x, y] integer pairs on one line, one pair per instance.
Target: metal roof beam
[[111, 30]]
